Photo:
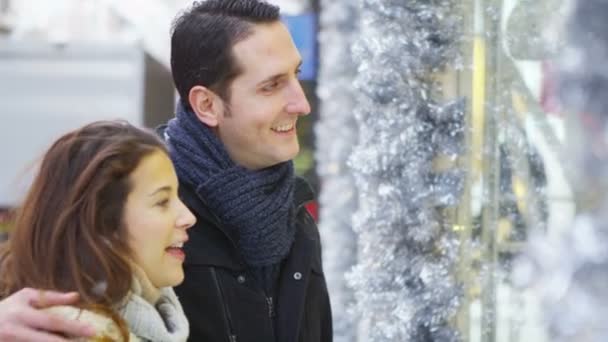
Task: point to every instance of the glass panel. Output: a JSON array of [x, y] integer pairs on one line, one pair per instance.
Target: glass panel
[[516, 185]]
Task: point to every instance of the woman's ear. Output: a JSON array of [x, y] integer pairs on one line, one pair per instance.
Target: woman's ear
[[205, 105]]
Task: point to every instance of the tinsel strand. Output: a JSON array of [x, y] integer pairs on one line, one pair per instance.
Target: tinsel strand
[[404, 286]]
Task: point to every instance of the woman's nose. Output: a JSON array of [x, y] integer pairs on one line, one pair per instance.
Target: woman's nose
[[186, 219]]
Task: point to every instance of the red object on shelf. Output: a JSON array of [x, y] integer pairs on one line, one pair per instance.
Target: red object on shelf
[[549, 101]]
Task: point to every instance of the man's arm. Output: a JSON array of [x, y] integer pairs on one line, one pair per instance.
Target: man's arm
[[22, 318]]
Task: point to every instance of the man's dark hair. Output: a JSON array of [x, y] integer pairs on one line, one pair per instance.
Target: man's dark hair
[[202, 40]]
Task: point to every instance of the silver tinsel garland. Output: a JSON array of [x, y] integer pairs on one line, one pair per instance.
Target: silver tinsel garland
[[336, 134], [404, 285]]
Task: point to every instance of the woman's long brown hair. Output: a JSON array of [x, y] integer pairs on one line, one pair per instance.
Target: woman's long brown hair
[[69, 233]]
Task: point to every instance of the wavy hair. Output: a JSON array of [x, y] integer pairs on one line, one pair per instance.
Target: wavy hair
[[69, 234]]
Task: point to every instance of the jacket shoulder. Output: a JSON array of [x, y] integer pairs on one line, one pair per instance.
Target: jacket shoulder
[[106, 328]]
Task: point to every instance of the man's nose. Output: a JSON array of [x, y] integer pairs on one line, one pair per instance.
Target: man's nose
[[297, 102]]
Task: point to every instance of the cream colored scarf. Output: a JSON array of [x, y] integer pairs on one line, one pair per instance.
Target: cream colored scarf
[[153, 314]]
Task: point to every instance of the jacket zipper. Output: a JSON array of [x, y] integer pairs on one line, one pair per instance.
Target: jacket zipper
[[271, 314], [227, 318], [270, 307], [269, 299]]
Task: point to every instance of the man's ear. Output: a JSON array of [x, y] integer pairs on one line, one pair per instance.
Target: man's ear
[[205, 105]]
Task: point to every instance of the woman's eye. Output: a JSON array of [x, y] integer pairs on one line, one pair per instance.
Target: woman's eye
[[163, 203]]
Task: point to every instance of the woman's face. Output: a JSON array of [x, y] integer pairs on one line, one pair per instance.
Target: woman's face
[[156, 220]]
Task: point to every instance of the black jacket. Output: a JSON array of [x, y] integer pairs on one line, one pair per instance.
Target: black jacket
[[222, 302]]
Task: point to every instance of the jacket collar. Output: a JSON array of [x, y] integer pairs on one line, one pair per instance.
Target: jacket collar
[[303, 192]]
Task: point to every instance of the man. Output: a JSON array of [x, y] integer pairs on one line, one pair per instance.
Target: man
[[253, 261]]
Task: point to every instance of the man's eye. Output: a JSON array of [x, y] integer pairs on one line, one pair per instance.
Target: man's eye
[[298, 71], [270, 86]]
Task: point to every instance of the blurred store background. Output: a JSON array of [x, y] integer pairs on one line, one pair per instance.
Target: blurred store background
[[68, 62]]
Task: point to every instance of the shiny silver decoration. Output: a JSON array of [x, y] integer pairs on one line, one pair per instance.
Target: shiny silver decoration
[[404, 284]]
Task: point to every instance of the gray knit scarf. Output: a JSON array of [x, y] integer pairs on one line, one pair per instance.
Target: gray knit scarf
[[158, 319], [257, 205]]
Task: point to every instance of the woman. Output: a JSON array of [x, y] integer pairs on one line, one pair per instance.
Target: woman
[[103, 218]]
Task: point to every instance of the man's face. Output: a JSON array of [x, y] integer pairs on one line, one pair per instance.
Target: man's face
[[259, 126]]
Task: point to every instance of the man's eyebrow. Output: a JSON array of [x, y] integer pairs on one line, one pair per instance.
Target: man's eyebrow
[[166, 188], [276, 76]]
